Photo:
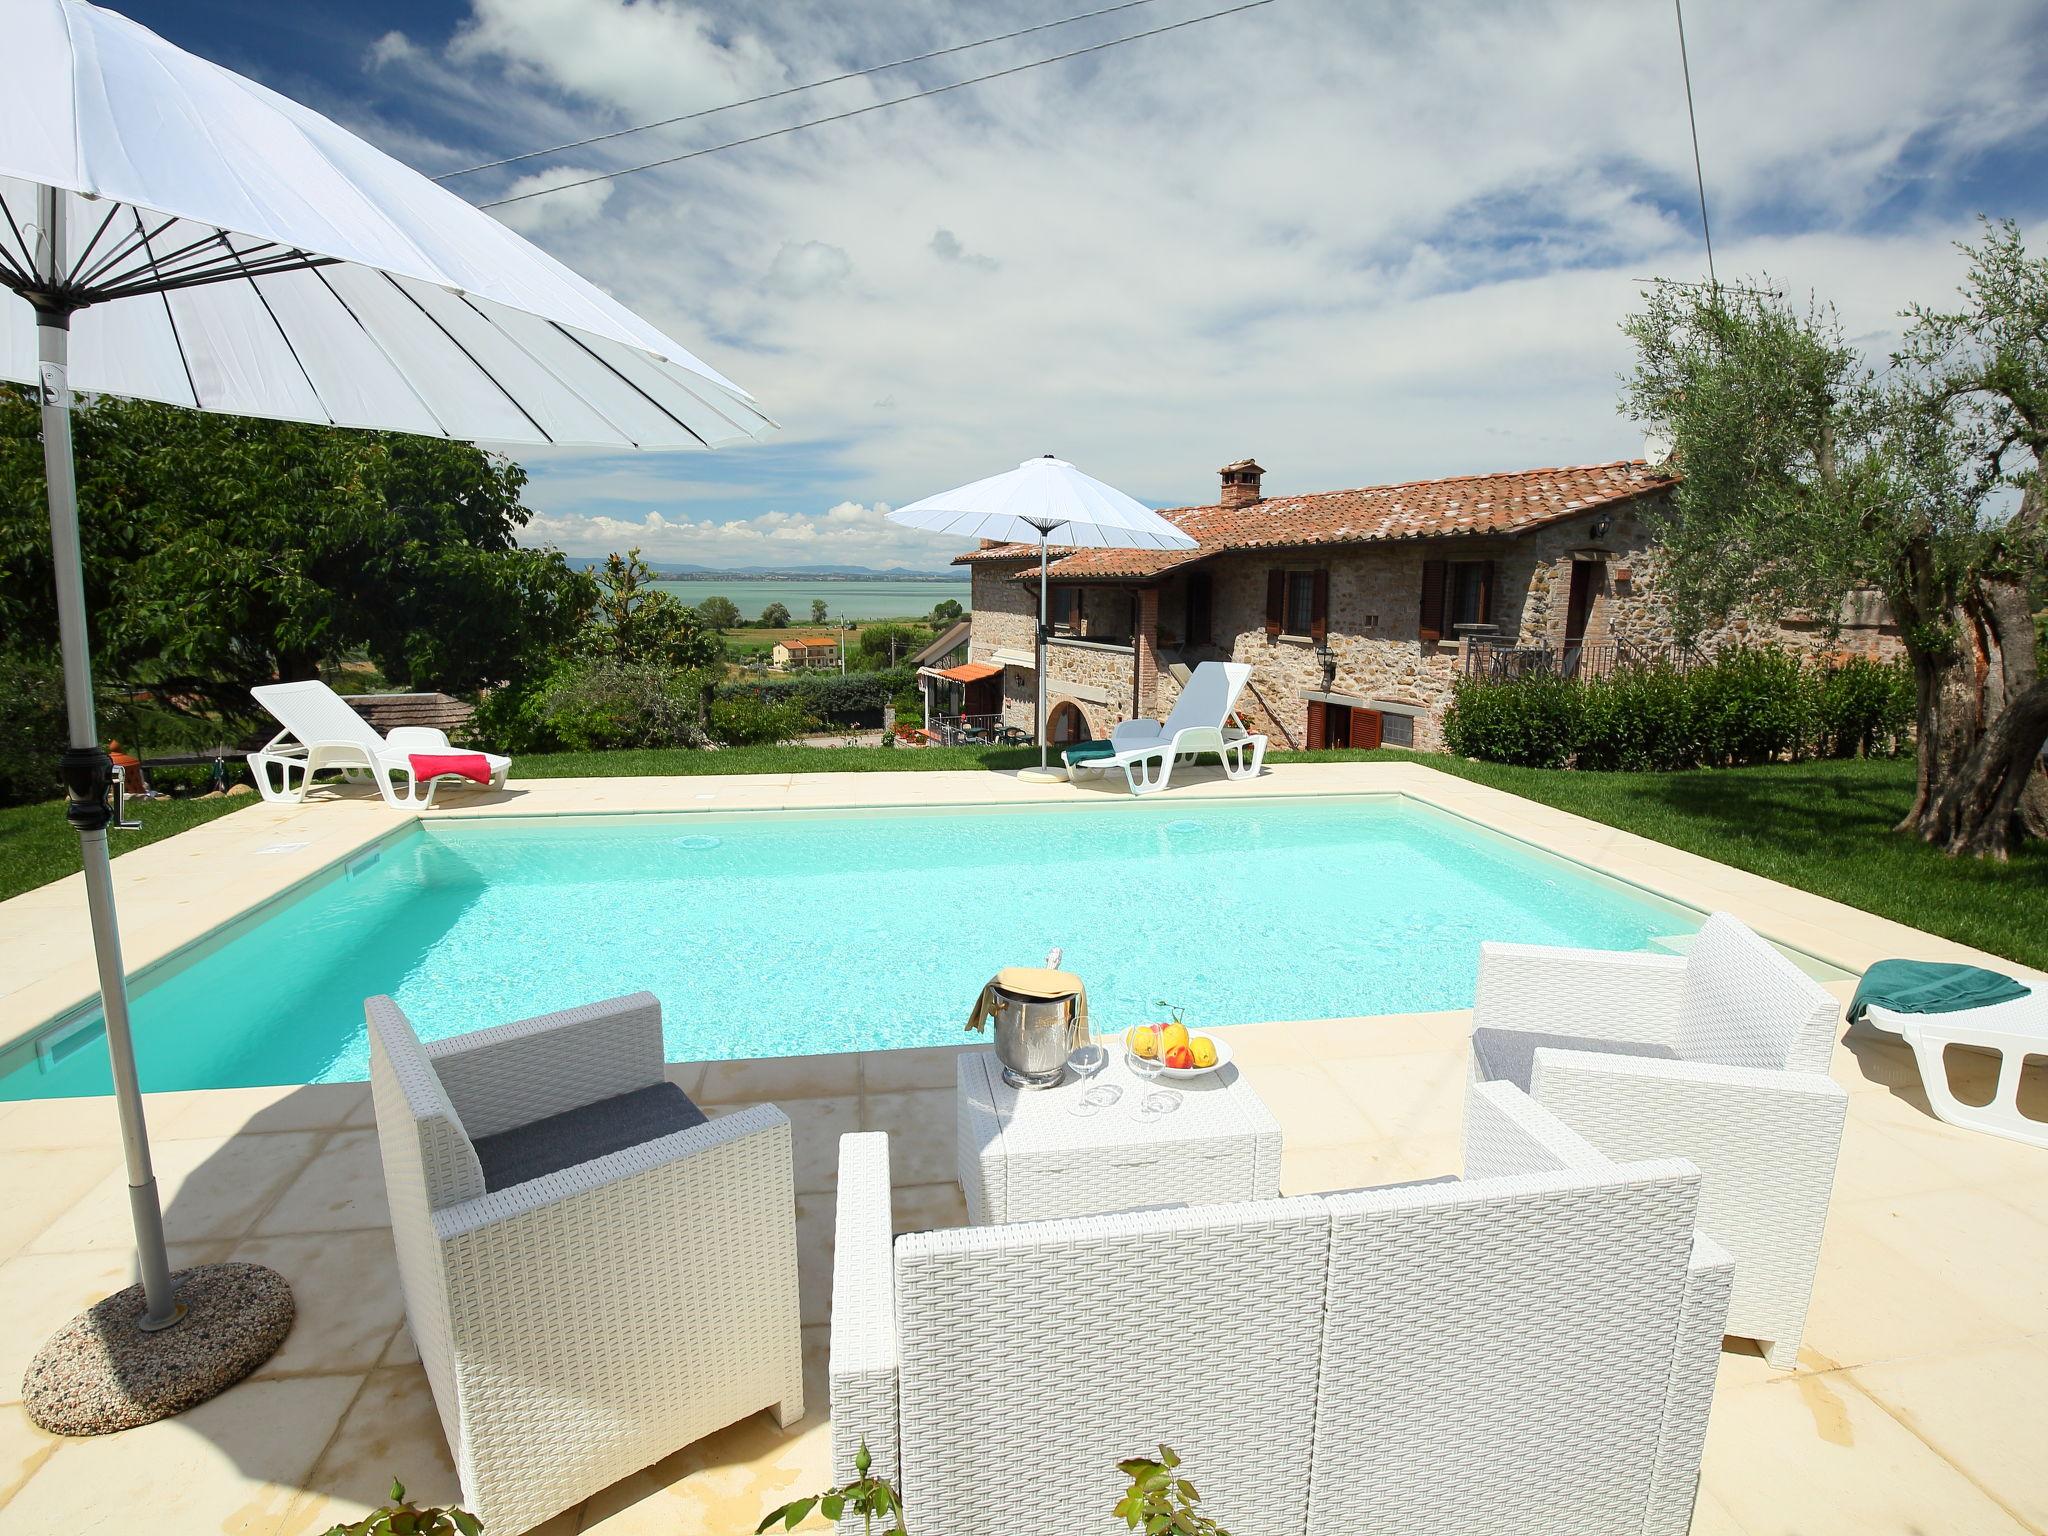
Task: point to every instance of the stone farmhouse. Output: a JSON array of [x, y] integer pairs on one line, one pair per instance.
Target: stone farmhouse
[[1358, 610]]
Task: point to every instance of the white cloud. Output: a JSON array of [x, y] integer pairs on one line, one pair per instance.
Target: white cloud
[[850, 533], [947, 247], [1360, 242], [805, 267], [559, 210], [646, 57]]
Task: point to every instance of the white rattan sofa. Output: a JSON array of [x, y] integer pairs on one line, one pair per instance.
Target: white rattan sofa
[[1720, 1057], [581, 1318], [1532, 1350]]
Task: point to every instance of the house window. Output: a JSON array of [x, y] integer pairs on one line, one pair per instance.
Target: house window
[[1200, 610], [1297, 604], [1471, 591], [1103, 614], [1065, 610], [1454, 592], [1301, 602]]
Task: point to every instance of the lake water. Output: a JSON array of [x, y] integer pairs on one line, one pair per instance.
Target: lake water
[[878, 599]]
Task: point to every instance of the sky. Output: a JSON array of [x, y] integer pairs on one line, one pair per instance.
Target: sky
[[1360, 240]]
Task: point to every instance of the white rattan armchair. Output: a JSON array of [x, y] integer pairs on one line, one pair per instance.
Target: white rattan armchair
[[1719, 1057], [1531, 1350], [579, 1319]]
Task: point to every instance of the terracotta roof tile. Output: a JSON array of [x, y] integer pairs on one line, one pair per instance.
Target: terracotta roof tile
[[1461, 505]]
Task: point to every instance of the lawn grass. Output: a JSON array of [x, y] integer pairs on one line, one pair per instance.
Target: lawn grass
[[37, 844], [1823, 827], [786, 759]]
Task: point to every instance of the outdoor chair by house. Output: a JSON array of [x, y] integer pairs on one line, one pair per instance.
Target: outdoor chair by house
[[1532, 1350], [321, 732], [595, 1275], [1720, 1057], [1199, 722]]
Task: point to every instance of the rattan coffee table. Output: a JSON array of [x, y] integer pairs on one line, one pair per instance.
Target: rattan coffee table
[[1025, 1156]]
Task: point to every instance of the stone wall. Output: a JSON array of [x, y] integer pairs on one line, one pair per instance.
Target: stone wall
[[1005, 617], [1374, 650]]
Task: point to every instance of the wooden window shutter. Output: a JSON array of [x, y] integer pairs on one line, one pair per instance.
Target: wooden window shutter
[[1365, 729], [1432, 626], [1486, 591], [1319, 608], [1276, 602], [1318, 722]]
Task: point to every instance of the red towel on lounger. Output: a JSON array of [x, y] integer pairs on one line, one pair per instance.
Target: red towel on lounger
[[464, 765]]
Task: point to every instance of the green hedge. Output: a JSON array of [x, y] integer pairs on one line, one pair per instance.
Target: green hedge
[[1748, 705], [855, 697]]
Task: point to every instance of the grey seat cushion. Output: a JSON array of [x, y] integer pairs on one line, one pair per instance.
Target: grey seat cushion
[[580, 1135], [1509, 1055]]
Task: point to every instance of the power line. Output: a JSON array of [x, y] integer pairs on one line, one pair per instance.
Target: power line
[[812, 85], [1699, 176], [894, 101]]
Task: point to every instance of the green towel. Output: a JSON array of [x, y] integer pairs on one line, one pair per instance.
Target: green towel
[[1086, 752], [1930, 986]]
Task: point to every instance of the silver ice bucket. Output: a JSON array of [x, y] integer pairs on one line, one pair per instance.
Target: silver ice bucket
[[1033, 1037]]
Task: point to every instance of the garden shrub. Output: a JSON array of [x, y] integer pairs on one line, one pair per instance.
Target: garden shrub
[[1748, 705], [743, 718], [856, 698], [1532, 722], [1639, 720], [33, 731], [591, 705], [1860, 708]]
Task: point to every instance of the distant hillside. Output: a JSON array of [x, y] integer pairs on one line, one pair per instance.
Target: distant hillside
[[784, 572]]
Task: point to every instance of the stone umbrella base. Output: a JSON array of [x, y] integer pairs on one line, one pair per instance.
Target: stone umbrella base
[[101, 1373]]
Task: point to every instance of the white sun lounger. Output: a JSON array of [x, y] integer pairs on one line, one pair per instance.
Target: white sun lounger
[[1199, 722], [321, 733], [2012, 1031]]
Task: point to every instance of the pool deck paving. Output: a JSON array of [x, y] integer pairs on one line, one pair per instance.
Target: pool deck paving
[[1920, 1404]]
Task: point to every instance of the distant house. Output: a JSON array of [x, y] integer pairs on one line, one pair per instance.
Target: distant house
[[801, 655], [1358, 610]]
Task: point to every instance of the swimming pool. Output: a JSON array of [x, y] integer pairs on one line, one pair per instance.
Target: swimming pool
[[786, 933]]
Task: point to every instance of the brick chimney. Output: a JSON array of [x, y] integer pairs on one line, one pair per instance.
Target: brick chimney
[[1241, 483]]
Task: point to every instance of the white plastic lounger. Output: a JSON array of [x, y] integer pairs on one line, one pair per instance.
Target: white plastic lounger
[[2013, 1031], [321, 732], [1146, 750]]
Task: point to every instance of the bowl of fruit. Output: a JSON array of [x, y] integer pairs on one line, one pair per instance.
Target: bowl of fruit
[[1173, 1050]]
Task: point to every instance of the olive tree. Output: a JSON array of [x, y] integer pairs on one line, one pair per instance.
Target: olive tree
[[1807, 474]]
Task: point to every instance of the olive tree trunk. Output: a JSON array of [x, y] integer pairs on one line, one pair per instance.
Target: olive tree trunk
[[1982, 719]]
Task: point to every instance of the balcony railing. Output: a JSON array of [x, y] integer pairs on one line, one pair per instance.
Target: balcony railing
[[1577, 659], [976, 731]]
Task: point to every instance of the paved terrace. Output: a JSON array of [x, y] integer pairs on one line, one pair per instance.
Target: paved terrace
[[1921, 1404]]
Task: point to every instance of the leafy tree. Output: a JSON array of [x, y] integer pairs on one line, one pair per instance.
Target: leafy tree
[[637, 623], [1807, 474], [883, 645], [1979, 388], [719, 612], [947, 611], [775, 616], [817, 610], [221, 552]]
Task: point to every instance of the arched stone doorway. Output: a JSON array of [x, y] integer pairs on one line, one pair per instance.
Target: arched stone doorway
[[1066, 724]]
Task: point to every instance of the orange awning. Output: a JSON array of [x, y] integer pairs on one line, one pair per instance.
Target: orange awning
[[971, 672]]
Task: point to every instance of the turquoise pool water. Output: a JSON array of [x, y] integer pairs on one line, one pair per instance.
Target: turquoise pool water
[[785, 934]]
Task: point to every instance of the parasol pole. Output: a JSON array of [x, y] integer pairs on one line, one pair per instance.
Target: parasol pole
[[88, 772], [1043, 533]]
